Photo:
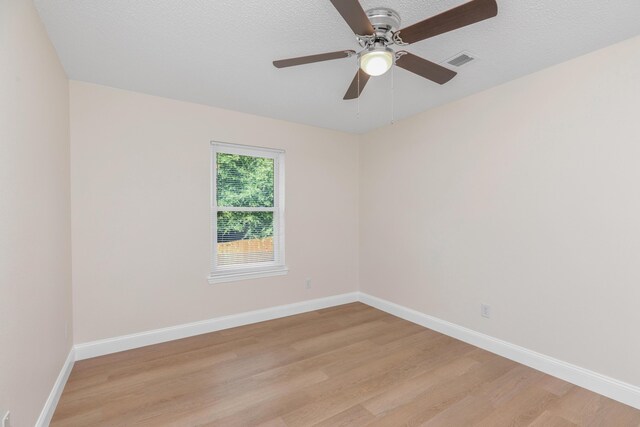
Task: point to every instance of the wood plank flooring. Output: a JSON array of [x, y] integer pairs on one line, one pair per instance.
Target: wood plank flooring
[[350, 365]]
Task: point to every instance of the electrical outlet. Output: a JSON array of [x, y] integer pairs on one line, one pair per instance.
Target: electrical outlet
[[6, 420], [485, 311], [307, 283]]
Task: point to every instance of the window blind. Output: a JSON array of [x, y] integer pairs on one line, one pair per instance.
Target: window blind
[[247, 212]]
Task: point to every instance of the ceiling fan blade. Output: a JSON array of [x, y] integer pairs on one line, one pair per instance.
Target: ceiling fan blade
[[458, 17], [355, 16], [313, 58], [357, 85], [427, 69]]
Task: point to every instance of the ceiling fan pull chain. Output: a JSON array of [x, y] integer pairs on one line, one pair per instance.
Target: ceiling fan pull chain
[[393, 105], [358, 100]]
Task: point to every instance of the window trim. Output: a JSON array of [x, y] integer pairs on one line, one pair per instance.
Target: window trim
[[250, 271]]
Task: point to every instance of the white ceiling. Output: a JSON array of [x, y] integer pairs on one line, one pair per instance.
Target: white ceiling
[[219, 52]]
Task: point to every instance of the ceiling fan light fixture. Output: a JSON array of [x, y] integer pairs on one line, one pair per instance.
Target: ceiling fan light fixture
[[376, 61]]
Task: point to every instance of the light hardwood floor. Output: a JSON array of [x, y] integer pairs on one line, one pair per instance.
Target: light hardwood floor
[[343, 366]]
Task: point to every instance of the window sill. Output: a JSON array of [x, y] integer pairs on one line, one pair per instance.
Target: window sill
[[233, 276]]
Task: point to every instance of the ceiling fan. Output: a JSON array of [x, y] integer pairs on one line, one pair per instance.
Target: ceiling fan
[[377, 29]]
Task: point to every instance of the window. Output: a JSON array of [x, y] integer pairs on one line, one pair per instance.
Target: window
[[247, 212]]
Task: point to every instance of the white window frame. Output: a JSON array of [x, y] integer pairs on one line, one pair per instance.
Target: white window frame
[[277, 267]]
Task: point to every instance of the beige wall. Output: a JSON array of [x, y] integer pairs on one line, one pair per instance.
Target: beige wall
[[140, 203], [35, 253], [525, 197]]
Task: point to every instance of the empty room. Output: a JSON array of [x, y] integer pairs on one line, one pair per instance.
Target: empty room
[[319, 213]]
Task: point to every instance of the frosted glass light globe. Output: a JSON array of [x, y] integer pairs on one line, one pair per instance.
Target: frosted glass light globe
[[376, 62]]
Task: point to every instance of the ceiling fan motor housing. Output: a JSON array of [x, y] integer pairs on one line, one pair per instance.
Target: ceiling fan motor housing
[[385, 22]]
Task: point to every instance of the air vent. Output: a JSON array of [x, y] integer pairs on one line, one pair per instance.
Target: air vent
[[461, 59]]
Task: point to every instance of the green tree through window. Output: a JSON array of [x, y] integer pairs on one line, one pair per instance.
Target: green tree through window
[[244, 182]]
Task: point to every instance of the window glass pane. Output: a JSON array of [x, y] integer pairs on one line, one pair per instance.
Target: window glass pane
[[245, 237], [244, 181]]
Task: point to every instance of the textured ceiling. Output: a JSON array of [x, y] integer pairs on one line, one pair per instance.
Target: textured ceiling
[[219, 52]]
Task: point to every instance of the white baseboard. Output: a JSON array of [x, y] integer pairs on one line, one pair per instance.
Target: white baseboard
[[142, 339], [601, 384], [52, 401], [610, 387]]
